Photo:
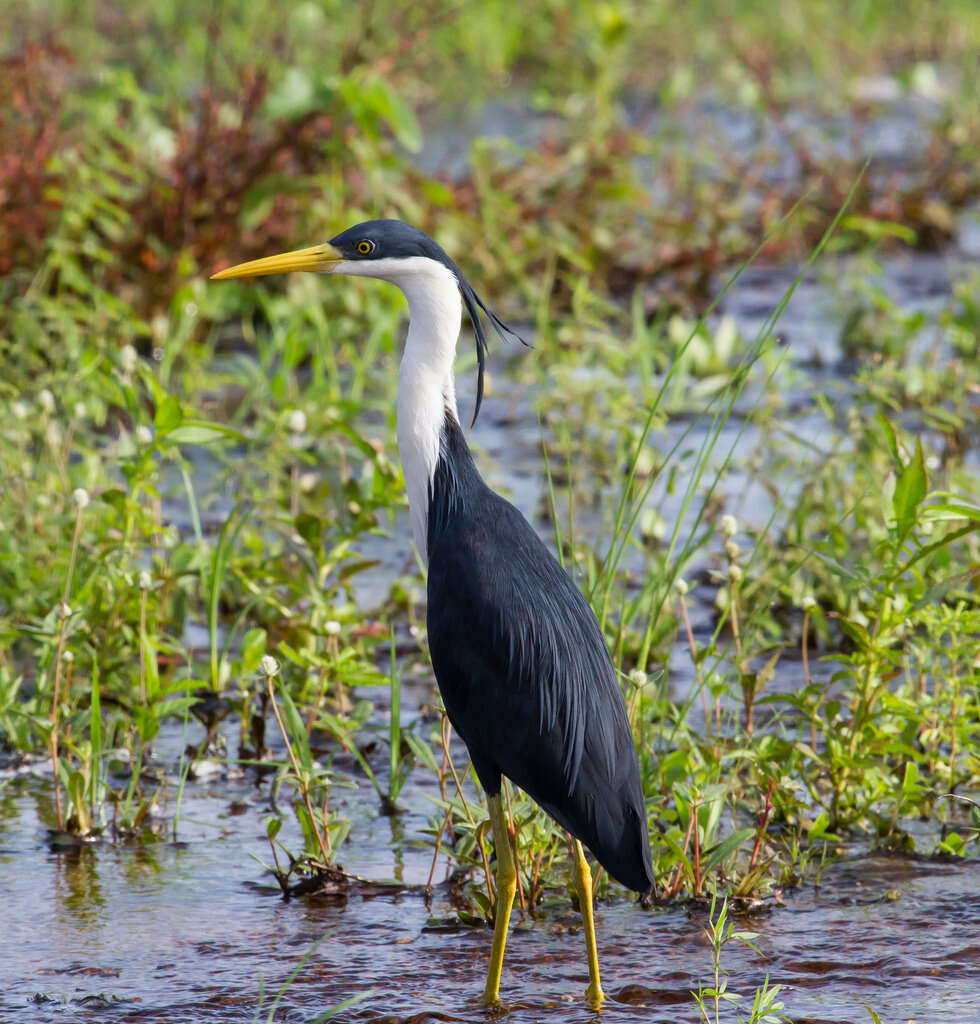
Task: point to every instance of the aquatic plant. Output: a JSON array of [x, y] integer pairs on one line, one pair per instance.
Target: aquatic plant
[[802, 680]]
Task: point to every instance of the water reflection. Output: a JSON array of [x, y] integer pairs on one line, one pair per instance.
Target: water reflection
[[181, 932], [77, 892]]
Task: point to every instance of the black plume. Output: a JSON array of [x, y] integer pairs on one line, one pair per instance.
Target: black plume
[[473, 306]]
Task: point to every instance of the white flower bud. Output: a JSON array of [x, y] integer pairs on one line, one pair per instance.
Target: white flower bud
[[64, 609], [268, 666], [297, 421], [80, 411], [144, 581], [808, 602], [21, 410], [680, 585], [308, 482], [638, 677], [45, 399], [128, 358], [144, 435], [332, 628], [734, 573], [731, 549], [652, 525], [729, 526], [68, 657], [80, 497]]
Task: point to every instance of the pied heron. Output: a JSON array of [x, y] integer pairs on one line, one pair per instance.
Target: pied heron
[[521, 663]]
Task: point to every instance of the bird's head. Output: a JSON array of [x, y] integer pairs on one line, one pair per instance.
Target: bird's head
[[391, 251]]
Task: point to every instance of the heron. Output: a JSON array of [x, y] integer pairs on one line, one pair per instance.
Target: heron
[[518, 655]]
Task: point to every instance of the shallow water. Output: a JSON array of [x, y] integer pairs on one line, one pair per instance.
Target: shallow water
[[192, 930]]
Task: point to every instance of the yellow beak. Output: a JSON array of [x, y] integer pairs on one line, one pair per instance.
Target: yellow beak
[[318, 258]]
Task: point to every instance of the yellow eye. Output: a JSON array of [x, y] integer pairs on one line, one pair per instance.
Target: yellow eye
[[365, 247]]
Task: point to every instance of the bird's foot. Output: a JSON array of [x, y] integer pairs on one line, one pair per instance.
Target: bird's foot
[[490, 1001], [594, 995]]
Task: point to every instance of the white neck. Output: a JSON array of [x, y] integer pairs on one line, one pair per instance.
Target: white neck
[[426, 388]]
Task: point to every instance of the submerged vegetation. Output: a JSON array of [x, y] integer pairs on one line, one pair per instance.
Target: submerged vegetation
[[775, 514]]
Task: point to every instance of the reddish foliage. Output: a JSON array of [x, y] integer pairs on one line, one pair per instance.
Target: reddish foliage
[[195, 200], [32, 88], [191, 203]]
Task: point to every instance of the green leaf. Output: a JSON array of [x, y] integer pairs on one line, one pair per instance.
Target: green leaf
[[181, 686], [95, 723], [954, 844], [202, 432], [115, 499], [421, 750], [151, 670], [220, 560], [377, 98], [878, 230], [402, 120], [910, 491], [295, 95], [334, 725], [310, 528], [169, 415], [175, 706], [353, 568], [890, 437], [77, 794], [147, 721], [910, 781], [727, 846], [945, 506], [470, 919], [297, 732], [818, 830], [253, 650]]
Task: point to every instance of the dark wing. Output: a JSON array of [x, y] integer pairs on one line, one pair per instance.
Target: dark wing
[[528, 682]]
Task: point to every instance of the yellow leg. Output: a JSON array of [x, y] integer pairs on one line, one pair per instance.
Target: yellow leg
[[506, 886], [583, 880]]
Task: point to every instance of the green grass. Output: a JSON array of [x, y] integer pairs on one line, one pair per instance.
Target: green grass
[[235, 442]]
